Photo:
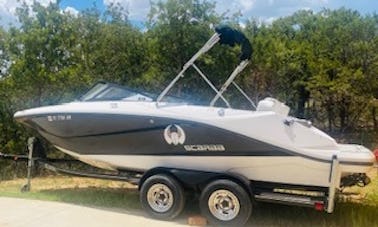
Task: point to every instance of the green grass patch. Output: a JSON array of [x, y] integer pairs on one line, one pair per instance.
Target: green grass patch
[[89, 192], [345, 214]]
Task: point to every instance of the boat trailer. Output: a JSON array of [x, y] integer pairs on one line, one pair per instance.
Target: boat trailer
[[322, 199], [279, 194], [50, 164]]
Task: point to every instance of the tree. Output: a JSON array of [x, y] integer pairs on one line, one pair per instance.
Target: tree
[[44, 55], [344, 70], [176, 30]]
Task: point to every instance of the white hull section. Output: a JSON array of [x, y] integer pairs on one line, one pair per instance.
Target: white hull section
[[287, 170]]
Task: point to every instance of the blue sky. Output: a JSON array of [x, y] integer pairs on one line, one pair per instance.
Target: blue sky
[[82, 5], [264, 10]]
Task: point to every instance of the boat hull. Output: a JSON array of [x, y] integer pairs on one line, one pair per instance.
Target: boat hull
[[124, 140]]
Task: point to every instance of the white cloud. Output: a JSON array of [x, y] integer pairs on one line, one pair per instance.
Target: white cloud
[[287, 7], [11, 5], [242, 24], [264, 10], [270, 20], [268, 8], [8, 10], [246, 4], [71, 10], [138, 9]]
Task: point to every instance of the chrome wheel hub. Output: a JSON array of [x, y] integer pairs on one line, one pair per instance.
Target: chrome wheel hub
[[160, 198], [224, 205]]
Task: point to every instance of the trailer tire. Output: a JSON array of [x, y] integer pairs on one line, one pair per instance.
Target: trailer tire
[[225, 203], [162, 197]]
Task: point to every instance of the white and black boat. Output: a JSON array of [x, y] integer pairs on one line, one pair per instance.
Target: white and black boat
[[117, 128]]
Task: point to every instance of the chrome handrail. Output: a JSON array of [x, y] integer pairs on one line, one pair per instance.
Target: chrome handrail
[[208, 45], [219, 93], [230, 79]]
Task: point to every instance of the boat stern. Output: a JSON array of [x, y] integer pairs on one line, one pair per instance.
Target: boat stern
[[356, 161], [355, 156]]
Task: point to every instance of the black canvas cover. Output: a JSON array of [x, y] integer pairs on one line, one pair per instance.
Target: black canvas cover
[[230, 36]]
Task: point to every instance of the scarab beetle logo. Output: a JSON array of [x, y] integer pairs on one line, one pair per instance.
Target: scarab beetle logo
[[174, 134]]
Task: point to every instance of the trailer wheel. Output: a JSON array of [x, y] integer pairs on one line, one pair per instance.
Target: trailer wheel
[[162, 197], [225, 203]]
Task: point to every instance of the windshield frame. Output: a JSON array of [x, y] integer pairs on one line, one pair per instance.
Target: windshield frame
[[91, 94]]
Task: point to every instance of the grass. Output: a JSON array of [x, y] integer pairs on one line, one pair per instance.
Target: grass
[[361, 210], [81, 191]]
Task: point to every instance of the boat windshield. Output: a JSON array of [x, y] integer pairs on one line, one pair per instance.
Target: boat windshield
[[107, 91]]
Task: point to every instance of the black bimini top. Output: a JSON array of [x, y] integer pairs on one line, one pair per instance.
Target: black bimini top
[[230, 36]]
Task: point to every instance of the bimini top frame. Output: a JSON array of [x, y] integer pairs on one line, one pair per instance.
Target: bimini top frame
[[224, 35]]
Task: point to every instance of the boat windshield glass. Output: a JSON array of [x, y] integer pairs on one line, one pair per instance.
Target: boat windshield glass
[[107, 91]]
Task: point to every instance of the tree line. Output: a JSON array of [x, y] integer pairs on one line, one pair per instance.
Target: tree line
[[323, 65]]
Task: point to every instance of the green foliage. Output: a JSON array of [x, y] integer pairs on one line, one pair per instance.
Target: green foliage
[[323, 65], [45, 63]]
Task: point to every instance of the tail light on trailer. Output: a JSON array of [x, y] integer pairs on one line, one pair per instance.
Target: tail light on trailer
[[375, 152], [319, 206]]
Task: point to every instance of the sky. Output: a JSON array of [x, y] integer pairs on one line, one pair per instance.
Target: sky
[[263, 10]]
